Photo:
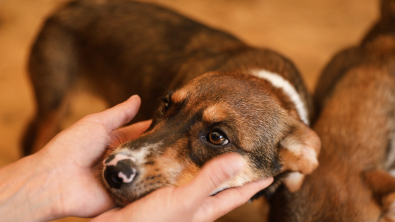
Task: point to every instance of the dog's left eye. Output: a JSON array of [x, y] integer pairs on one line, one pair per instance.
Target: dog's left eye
[[217, 138], [167, 103]]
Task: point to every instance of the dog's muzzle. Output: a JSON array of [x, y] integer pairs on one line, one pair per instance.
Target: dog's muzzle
[[119, 170]]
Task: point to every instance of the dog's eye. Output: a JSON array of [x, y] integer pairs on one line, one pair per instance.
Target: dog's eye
[[217, 138], [167, 103]]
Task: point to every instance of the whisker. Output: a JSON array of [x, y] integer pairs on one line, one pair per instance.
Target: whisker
[[110, 147], [123, 137], [119, 140], [168, 91]]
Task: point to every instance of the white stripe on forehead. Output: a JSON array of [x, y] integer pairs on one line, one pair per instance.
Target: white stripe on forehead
[[279, 82]]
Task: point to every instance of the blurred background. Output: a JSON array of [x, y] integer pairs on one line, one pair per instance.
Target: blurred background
[[308, 32]]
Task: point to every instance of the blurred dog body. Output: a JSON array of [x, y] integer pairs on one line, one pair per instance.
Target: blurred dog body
[[355, 180]]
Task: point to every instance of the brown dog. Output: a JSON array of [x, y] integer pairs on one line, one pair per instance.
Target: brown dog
[[234, 98], [357, 128]]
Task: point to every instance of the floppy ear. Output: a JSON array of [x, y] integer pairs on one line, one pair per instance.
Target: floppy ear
[[298, 154], [382, 185]]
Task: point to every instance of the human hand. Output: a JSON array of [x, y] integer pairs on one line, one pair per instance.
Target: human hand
[[192, 202], [73, 153], [58, 181]]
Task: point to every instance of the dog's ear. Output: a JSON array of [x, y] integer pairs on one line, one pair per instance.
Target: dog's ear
[[382, 185], [299, 154]]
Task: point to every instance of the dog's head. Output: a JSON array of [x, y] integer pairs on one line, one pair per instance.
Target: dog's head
[[216, 113]]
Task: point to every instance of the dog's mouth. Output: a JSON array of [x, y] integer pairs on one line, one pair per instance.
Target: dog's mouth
[[123, 197], [128, 179]]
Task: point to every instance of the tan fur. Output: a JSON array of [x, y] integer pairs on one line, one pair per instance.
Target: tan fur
[[187, 174], [180, 95], [215, 113]]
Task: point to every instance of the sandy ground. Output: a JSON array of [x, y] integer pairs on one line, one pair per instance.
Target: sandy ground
[[309, 32]]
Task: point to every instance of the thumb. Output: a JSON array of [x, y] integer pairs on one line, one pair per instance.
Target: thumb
[[118, 115], [213, 174]]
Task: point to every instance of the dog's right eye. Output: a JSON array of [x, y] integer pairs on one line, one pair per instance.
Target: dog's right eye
[[217, 138]]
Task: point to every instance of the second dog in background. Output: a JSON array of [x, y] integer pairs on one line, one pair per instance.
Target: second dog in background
[[355, 180]]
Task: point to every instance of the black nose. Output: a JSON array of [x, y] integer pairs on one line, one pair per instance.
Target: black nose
[[119, 170]]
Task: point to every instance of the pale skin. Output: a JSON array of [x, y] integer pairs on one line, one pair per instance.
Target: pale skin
[[58, 181]]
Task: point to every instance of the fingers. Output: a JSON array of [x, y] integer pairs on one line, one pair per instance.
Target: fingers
[[229, 199], [213, 174], [243, 193], [107, 216], [129, 133], [118, 115]]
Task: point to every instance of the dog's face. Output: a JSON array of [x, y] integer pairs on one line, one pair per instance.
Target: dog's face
[[213, 114]]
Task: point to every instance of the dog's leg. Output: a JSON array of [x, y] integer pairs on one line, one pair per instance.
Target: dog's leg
[[389, 164], [43, 127], [383, 190], [53, 67]]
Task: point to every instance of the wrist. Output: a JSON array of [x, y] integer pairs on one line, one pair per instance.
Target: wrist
[[27, 191]]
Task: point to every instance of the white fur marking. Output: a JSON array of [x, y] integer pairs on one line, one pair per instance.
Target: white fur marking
[[311, 155], [143, 151], [125, 179], [293, 181], [118, 157], [391, 212], [391, 155], [279, 82], [140, 154], [234, 182]]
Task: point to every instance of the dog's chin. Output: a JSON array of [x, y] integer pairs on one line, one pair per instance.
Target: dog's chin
[[124, 198], [121, 202]]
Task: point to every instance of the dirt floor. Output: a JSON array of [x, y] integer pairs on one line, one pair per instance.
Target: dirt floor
[[308, 32]]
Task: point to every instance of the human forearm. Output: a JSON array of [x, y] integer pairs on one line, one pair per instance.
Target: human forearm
[[26, 193]]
